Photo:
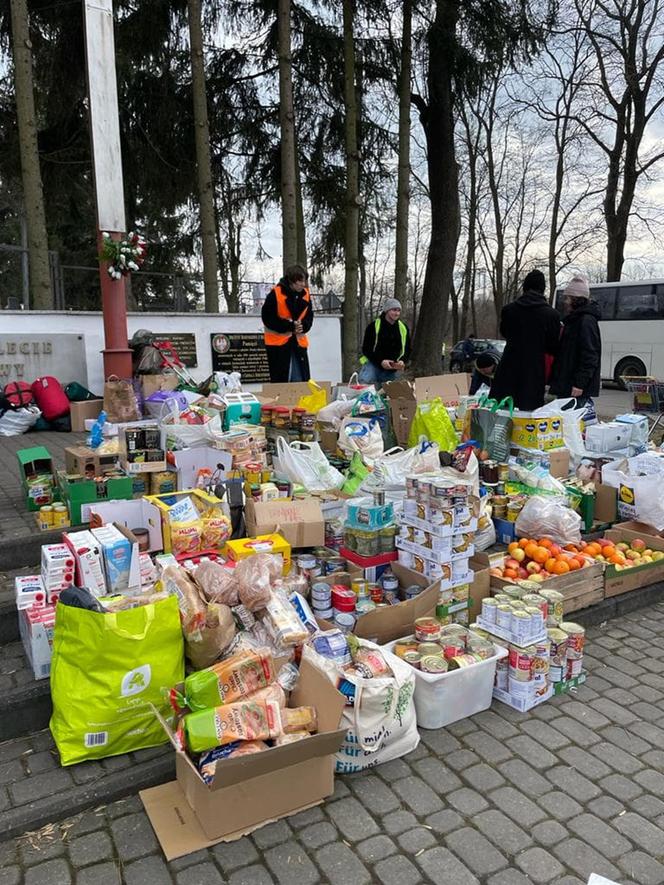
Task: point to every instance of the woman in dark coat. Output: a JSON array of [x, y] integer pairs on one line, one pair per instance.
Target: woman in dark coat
[[531, 328], [287, 316], [576, 368]]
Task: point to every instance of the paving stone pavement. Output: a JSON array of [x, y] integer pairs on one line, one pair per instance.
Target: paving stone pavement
[[573, 787]]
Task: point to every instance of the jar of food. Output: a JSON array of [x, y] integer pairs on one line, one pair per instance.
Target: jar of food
[[387, 537], [503, 473], [307, 422], [266, 415], [489, 471], [281, 417], [350, 539], [142, 535], [514, 508], [296, 418], [368, 543]]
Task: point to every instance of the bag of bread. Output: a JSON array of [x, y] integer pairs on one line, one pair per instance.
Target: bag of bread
[[255, 576], [206, 645], [231, 680], [218, 584], [193, 609], [242, 721]]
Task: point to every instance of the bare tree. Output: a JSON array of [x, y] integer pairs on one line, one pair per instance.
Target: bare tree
[[621, 99], [289, 181], [33, 197], [352, 229]]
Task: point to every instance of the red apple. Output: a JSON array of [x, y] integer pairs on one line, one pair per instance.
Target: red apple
[[533, 568], [638, 544]]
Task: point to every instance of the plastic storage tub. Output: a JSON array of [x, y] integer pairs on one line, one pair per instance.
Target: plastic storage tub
[[441, 699]]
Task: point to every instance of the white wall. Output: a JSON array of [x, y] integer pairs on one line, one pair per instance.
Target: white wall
[[324, 338]]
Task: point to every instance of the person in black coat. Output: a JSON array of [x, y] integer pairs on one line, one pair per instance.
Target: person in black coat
[[531, 329], [287, 316], [576, 368]]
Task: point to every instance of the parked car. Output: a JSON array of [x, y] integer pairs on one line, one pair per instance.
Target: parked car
[[480, 345]]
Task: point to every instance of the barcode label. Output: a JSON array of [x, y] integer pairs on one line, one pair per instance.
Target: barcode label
[[96, 738]]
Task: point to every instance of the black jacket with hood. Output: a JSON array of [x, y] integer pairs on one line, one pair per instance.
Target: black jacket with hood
[[531, 328], [279, 357], [580, 354]]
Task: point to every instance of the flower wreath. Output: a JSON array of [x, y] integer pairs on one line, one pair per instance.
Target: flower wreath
[[123, 256]]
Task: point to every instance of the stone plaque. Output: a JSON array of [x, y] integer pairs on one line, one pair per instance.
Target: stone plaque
[[27, 357], [242, 352]]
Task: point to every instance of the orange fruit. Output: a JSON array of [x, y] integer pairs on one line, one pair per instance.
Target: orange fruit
[[540, 555], [549, 565], [617, 559], [560, 568], [573, 563], [608, 551], [545, 542], [571, 547], [582, 561], [512, 547], [510, 573], [531, 549], [523, 543]]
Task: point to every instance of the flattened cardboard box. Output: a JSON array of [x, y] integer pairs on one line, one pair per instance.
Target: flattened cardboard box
[[300, 522], [404, 398], [250, 791]]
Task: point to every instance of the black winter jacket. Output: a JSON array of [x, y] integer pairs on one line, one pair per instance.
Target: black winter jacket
[[531, 328], [388, 346], [580, 355]]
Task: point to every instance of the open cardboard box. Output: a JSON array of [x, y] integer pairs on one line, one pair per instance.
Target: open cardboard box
[[480, 586], [291, 393], [616, 582], [404, 396], [250, 791], [299, 521], [132, 515], [386, 624], [80, 412], [188, 462]]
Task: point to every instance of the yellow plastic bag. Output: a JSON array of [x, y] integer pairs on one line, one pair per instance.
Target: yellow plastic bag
[[315, 401], [432, 422]]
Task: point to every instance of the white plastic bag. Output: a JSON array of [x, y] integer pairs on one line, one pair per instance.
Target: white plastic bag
[[380, 713], [361, 435], [572, 416], [189, 436], [470, 476], [305, 463], [14, 422], [485, 536], [392, 467], [549, 517], [352, 389], [639, 481], [334, 413]]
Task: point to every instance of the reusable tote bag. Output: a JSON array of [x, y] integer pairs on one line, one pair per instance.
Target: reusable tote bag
[[120, 401], [106, 671], [491, 427], [379, 712]]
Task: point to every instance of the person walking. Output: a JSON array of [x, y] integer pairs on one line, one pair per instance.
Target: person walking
[[531, 329], [287, 316], [386, 346], [576, 368]]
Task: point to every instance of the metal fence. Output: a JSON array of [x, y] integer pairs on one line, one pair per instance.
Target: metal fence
[[76, 287]]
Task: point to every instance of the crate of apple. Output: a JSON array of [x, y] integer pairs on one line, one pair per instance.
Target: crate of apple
[[620, 554], [538, 560]]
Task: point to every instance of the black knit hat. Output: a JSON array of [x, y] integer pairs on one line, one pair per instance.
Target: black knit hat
[[487, 359], [534, 282]]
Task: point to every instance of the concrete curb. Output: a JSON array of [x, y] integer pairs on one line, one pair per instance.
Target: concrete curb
[[25, 710]]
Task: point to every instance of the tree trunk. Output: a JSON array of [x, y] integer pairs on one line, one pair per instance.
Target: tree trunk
[[203, 162], [299, 215], [438, 123], [289, 221], [352, 229], [41, 297], [403, 176], [454, 295]]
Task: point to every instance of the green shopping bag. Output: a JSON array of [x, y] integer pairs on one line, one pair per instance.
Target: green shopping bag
[[106, 671], [432, 422]]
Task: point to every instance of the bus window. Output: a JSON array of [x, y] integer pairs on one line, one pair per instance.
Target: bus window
[[637, 303], [606, 298]]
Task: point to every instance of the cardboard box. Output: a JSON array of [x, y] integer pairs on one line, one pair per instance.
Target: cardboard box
[[86, 462], [36, 626], [617, 582], [250, 791], [132, 515], [394, 621], [189, 461], [80, 412], [202, 501], [32, 462], [153, 383], [329, 441], [404, 396], [300, 522], [149, 456], [78, 495], [89, 561], [537, 433], [119, 549], [273, 543], [480, 586], [606, 504], [290, 394]]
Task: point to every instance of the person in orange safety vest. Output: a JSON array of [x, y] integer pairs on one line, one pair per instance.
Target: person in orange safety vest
[[287, 316]]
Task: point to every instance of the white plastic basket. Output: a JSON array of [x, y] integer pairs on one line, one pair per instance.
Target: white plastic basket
[[444, 698]]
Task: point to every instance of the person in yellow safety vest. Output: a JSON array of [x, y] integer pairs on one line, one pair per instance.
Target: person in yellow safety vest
[[287, 316], [386, 346]]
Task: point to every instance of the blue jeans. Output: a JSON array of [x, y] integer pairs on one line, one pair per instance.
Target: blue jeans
[[372, 374]]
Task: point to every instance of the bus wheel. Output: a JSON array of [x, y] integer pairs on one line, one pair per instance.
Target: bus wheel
[[630, 365]]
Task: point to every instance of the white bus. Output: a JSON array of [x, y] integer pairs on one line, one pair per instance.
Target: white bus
[[632, 338]]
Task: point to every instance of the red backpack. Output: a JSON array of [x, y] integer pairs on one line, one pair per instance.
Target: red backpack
[[19, 393], [50, 397]]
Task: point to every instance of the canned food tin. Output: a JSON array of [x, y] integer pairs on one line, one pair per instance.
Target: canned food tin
[[481, 647], [573, 667], [413, 658], [480, 632], [427, 629], [558, 651], [489, 607], [325, 613], [452, 647], [514, 592], [521, 662], [404, 645], [335, 564], [503, 472], [504, 617], [458, 662], [360, 588], [555, 602], [362, 606], [501, 680], [540, 602], [519, 689], [46, 516], [61, 518], [502, 598], [542, 658], [376, 593], [557, 672], [412, 591], [536, 620], [576, 638], [521, 625], [430, 648], [433, 664], [345, 621]]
